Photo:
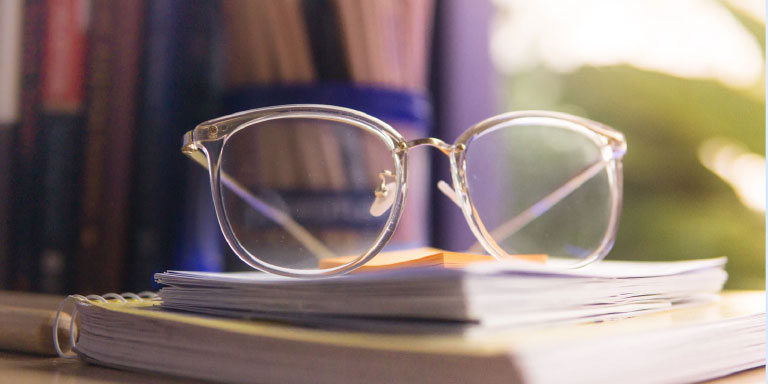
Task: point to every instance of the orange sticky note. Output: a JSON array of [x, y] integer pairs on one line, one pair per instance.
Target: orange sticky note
[[421, 257]]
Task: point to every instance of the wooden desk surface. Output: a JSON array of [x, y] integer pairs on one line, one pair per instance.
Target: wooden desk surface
[[29, 369], [18, 368]]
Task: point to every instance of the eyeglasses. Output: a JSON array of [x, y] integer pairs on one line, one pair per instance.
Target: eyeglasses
[[295, 185]]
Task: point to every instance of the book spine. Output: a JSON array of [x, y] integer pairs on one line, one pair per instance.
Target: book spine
[[25, 194], [200, 243], [156, 180], [119, 156], [6, 138], [90, 260], [62, 99], [10, 76], [174, 99], [323, 26], [64, 58]]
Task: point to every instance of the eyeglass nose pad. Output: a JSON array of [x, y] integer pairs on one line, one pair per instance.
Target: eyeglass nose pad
[[385, 197], [449, 192]]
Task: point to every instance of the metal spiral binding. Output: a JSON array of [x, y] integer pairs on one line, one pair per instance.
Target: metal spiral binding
[[140, 297]]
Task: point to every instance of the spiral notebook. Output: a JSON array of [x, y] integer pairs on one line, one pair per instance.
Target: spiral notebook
[[682, 345]]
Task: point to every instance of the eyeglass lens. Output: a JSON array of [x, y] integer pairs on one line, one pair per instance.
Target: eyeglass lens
[[334, 183], [541, 187]]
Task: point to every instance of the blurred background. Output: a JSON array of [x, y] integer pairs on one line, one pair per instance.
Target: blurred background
[[685, 81], [95, 96]]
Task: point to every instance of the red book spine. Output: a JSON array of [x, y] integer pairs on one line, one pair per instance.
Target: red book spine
[[31, 57], [64, 59]]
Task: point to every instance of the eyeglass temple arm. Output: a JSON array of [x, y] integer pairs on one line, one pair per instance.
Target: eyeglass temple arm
[[286, 221], [517, 223]]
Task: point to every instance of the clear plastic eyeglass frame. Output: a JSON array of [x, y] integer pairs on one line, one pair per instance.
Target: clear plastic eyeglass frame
[[205, 145]]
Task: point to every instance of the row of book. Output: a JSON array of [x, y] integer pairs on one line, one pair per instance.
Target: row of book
[[310, 52], [96, 105], [96, 95]]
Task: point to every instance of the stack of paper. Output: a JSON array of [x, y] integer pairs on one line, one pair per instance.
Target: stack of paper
[[480, 296]]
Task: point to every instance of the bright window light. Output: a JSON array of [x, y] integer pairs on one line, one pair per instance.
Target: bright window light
[[687, 38], [744, 171]]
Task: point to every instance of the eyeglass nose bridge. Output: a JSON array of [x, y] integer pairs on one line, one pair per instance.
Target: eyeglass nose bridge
[[445, 148]]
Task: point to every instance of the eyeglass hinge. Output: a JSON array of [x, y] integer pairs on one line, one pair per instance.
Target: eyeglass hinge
[[619, 148], [213, 132], [188, 144], [189, 148]]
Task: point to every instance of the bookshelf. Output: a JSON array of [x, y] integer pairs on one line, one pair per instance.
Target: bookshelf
[[97, 194]]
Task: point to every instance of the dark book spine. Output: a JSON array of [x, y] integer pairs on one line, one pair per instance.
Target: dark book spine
[[62, 98], [173, 100], [10, 77], [326, 42], [6, 138], [119, 156], [157, 179], [200, 243], [90, 260], [25, 194]]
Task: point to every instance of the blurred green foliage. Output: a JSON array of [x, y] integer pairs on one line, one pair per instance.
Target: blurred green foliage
[[674, 208]]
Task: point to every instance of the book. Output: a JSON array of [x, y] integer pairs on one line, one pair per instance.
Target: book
[[483, 295], [27, 161], [120, 153], [174, 97], [680, 345], [200, 244], [339, 53], [158, 179], [98, 84], [10, 96], [63, 98], [110, 126]]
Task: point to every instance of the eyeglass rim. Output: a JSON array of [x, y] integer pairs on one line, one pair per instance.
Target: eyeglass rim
[[612, 139], [218, 130]]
